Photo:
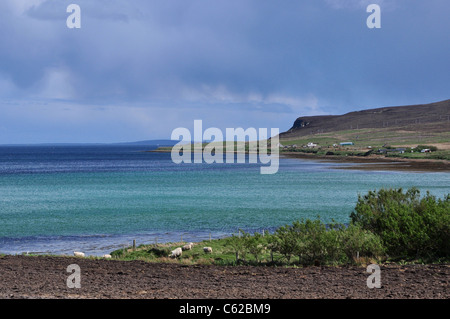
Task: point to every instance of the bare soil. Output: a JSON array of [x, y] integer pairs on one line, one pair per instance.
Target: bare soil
[[46, 277]]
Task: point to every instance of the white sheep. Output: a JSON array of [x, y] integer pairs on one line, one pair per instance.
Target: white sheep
[[78, 254], [107, 256], [207, 250], [176, 253], [188, 246]]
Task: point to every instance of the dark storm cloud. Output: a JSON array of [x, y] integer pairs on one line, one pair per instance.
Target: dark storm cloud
[[199, 58]]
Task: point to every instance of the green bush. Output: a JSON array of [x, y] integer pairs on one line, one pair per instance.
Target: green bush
[[357, 241], [409, 226], [237, 245], [254, 245], [316, 243], [283, 241], [245, 243], [309, 241]]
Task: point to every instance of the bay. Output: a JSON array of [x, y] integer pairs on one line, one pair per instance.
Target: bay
[[57, 199]]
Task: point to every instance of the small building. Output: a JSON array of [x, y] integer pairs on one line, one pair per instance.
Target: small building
[[346, 143], [399, 150], [426, 150], [310, 144]]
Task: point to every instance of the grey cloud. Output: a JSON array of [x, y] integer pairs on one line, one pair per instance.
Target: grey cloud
[[114, 10], [147, 52]]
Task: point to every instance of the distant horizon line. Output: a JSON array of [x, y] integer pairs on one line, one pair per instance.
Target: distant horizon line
[[142, 142]]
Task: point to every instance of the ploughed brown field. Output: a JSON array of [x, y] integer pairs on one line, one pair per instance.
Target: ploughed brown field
[[46, 277]]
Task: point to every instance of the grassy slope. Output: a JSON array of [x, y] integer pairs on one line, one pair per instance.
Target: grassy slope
[[221, 253], [377, 138]]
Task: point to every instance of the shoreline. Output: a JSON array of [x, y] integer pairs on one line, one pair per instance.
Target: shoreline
[[96, 245], [376, 162], [370, 163]]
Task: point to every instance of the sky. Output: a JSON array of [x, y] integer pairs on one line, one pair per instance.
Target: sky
[[138, 69]]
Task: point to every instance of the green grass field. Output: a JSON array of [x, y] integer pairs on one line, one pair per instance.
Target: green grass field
[[373, 137], [365, 139], [221, 253]]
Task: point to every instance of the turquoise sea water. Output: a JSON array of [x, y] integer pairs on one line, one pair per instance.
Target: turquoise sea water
[[97, 199]]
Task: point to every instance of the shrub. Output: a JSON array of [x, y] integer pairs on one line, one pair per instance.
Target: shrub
[[316, 243], [358, 241], [309, 241], [246, 243], [409, 226], [237, 244], [283, 241], [254, 245]]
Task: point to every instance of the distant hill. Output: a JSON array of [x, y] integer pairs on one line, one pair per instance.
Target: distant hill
[[423, 119], [138, 143], [150, 142]]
